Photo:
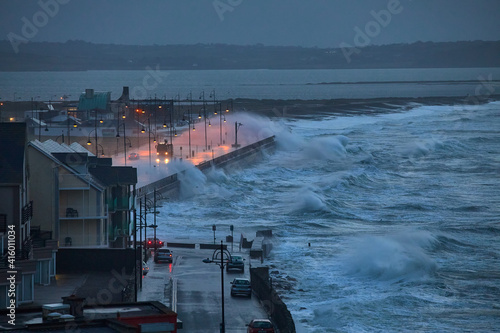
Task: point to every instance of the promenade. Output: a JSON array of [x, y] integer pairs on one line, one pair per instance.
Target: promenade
[[188, 286], [192, 288]]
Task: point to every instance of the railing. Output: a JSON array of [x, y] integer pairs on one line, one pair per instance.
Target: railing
[[24, 254], [27, 212], [39, 237]]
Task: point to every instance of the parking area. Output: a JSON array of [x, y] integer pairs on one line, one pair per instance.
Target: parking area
[[193, 289]]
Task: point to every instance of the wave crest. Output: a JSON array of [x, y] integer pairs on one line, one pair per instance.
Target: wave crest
[[401, 256]]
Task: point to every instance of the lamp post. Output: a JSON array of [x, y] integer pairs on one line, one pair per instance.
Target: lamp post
[[236, 127], [102, 149], [138, 261], [231, 227], [213, 229], [89, 143], [220, 257], [204, 116], [124, 140], [143, 130], [190, 121]]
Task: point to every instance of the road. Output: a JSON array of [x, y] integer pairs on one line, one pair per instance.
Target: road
[[195, 288]]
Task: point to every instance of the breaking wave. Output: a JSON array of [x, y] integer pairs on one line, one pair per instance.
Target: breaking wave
[[392, 257]]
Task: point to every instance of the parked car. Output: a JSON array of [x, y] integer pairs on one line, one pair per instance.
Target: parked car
[[150, 243], [133, 156], [241, 287], [145, 268], [236, 262], [163, 255], [260, 326]]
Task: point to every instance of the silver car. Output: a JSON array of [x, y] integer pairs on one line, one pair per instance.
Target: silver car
[[236, 262]]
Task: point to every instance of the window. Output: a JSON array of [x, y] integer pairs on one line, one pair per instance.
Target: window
[[3, 223]]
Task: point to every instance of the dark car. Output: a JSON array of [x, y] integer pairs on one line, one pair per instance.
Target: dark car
[[133, 156], [236, 262], [163, 255], [145, 268], [241, 287], [150, 243], [260, 326]]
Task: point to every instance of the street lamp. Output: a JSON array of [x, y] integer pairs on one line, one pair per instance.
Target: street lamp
[[212, 94], [231, 227], [89, 143], [124, 140], [102, 149], [214, 228], [220, 257], [236, 127]]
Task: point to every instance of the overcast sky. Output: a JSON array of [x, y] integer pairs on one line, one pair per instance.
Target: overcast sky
[[321, 23]]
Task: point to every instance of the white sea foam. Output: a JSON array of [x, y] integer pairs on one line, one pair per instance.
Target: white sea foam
[[392, 256]]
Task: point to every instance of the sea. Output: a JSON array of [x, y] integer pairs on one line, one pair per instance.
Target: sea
[[382, 222]]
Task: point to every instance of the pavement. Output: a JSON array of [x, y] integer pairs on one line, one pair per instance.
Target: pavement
[[193, 290], [187, 285]]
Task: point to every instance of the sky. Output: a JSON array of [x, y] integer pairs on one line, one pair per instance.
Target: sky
[[307, 23]]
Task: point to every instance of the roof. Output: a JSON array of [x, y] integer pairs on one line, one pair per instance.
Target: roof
[[98, 101], [73, 158], [118, 175], [12, 147], [51, 146]]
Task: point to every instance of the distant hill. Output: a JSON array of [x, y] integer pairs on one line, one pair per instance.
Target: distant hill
[[79, 55]]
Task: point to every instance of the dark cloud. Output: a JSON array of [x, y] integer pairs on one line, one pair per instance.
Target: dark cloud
[[322, 23]]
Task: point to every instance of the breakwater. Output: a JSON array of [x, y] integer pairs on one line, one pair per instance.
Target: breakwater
[[169, 186]]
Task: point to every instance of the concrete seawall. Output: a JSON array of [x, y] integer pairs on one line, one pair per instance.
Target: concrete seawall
[[169, 187]]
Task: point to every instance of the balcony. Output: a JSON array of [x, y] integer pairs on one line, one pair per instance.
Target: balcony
[[122, 203]]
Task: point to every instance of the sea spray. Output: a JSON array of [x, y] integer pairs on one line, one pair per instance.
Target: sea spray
[[392, 257]]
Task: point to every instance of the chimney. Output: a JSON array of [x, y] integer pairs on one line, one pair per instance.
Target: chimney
[[125, 95]]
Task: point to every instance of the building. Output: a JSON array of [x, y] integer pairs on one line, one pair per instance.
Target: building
[[54, 195], [92, 201], [30, 258]]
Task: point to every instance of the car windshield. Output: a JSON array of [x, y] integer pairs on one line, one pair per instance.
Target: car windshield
[[236, 258], [242, 282], [262, 324]]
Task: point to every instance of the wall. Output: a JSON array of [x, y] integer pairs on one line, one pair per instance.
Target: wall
[[73, 260], [42, 190], [270, 300]]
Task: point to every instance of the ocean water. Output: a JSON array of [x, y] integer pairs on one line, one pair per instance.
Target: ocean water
[[387, 223], [258, 84]]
